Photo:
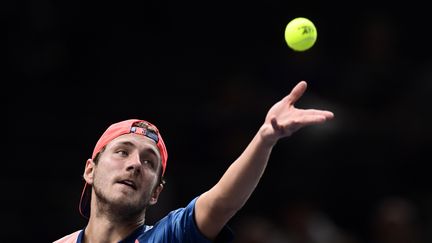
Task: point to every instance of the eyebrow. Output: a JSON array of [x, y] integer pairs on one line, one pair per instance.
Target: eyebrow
[[130, 144]]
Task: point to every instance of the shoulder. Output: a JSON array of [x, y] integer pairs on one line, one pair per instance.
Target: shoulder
[[181, 214], [71, 238]]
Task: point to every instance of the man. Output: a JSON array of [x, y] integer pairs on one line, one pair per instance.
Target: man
[[125, 175]]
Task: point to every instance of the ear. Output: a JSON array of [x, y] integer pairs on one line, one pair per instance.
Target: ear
[[155, 194], [89, 171]]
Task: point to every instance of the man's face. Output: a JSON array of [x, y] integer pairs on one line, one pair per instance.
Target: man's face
[[126, 177]]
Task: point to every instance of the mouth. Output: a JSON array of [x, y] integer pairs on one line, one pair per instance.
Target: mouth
[[128, 183]]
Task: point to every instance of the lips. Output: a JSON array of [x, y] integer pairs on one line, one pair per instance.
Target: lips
[[129, 183]]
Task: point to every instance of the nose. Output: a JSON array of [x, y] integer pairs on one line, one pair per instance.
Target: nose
[[133, 163]]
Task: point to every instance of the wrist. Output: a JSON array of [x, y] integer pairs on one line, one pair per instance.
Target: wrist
[[267, 135]]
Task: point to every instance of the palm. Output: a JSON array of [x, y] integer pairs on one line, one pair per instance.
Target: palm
[[283, 118]]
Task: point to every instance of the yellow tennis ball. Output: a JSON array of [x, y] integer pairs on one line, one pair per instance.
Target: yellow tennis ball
[[300, 34]]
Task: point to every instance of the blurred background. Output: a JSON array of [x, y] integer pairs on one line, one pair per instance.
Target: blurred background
[[206, 73]]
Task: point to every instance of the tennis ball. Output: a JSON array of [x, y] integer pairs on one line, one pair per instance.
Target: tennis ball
[[300, 34]]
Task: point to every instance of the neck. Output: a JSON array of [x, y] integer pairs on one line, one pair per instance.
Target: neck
[[102, 229]]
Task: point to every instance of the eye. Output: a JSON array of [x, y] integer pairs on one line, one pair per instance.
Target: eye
[[147, 163], [122, 152]]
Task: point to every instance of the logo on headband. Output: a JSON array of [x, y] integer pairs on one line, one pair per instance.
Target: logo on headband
[[144, 128]]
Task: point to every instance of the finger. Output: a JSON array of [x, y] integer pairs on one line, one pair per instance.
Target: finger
[[327, 114], [313, 119], [305, 121], [296, 92]]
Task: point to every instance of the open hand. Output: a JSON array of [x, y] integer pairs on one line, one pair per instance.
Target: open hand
[[283, 118]]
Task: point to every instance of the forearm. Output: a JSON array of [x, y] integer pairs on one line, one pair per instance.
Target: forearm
[[220, 203], [241, 178]]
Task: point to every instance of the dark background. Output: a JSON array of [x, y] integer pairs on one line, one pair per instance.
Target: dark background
[[206, 74]]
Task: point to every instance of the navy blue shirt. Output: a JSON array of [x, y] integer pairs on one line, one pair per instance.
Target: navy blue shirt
[[178, 226]]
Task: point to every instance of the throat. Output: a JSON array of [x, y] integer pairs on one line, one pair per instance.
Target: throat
[[102, 229]]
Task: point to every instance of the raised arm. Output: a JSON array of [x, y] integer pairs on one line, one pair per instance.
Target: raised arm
[[215, 207]]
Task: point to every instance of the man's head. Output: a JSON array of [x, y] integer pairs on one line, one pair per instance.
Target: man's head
[[127, 166]]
